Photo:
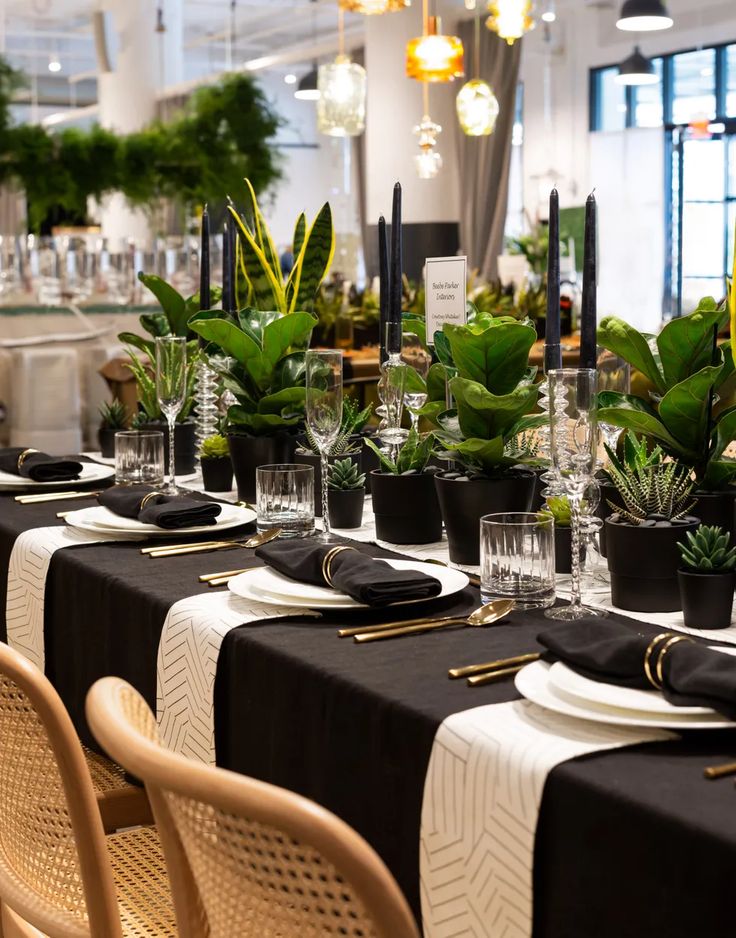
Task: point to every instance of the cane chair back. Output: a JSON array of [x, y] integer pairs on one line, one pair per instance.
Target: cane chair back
[[267, 863]]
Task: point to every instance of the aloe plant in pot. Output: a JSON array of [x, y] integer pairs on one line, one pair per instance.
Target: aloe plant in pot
[[404, 499], [690, 378], [217, 469], [114, 418], [495, 397], [345, 494], [707, 578]]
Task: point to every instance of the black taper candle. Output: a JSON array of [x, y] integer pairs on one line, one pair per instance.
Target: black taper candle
[[589, 308], [552, 351], [396, 281], [385, 285]]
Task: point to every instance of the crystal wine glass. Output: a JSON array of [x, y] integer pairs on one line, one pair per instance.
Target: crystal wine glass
[[171, 386], [614, 374], [573, 414], [324, 412], [416, 356]]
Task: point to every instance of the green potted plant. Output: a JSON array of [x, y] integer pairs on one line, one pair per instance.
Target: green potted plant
[[345, 494], [217, 469], [689, 378], [404, 498], [266, 374], [559, 507], [643, 533], [707, 578], [114, 416], [495, 395], [347, 445]]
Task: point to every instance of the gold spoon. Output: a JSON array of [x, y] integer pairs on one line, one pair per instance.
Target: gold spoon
[[263, 537], [485, 615]]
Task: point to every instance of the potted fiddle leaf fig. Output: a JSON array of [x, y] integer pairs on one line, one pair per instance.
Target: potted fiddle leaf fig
[[345, 494], [707, 578], [644, 531], [404, 498], [114, 418], [217, 469], [265, 372], [690, 378], [495, 396]]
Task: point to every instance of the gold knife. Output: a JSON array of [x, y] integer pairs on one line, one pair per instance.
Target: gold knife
[[52, 497], [472, 669], [390, 626], [490, 677], [223, 574]]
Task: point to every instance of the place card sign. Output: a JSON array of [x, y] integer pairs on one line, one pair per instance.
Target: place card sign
[[445, 280]]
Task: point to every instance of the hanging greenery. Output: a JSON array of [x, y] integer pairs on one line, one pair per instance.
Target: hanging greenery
[[222, 135]]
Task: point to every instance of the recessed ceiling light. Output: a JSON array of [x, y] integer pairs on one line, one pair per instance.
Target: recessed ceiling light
[[54, 64], [290, 79]]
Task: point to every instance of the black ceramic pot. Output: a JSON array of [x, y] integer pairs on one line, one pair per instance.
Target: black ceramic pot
[[463, 504], [247, 453], [406, 508], [106, 439], [707, 599], [608, 493], [563, 550], [184, 445], [315, 461], [716, 508], [217, 473], [346, 507], [643, 563]]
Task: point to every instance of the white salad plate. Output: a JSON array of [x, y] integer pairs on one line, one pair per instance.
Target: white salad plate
[[100, 520], [91, 472]]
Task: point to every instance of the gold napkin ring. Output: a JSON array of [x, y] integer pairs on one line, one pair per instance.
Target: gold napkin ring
[[327, 561], [146, 499], [673, 640], [648, 658], [24, 455]]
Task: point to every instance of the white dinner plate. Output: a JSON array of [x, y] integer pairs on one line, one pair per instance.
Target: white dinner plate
[[100, 520], [265, 585], [564, 679], [91, 472], [533, 683]]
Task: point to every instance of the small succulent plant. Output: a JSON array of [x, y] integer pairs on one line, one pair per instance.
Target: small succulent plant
[[660, 491], [706, 550], [344, 476], [559, 507], [114, 415], [214, 447]]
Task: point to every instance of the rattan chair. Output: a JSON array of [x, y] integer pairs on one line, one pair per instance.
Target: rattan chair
[[266, 863], [58, 871]]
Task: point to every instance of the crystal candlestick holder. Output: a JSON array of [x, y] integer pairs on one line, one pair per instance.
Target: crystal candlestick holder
[[205, 403]]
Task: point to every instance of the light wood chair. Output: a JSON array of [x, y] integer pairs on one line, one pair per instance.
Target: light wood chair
[[59, 873], [266, 863]]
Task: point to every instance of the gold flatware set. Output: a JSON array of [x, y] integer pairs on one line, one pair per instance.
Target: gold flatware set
[[52, 497], [175, 550], [485, 615]]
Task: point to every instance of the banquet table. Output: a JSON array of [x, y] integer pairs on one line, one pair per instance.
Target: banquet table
[[630, 842]]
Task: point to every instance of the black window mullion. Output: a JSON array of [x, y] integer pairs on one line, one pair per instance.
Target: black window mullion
[[721, 81], [668, 91], [630, 106]]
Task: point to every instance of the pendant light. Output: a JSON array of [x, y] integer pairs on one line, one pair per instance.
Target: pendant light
[[644, 16], [637, 69], [510, 18], [374, 7], [307, 89], [432, 56], [428, 161], [476, 104], [342, 91]]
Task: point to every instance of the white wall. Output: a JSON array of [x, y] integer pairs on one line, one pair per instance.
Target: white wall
[[558, 148]]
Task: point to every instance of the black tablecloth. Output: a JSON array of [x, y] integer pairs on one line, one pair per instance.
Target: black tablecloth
[[631, 843]]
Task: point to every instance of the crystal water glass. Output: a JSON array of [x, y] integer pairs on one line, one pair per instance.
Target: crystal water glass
[[171, 389], [324, 412], [139, 457], [418, 359], [517, 558], [285, 499]]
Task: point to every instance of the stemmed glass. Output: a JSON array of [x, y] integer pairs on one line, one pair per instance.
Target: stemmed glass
[[614, 374], [171, 386], [416, 356], [324, 413], [573, 414]]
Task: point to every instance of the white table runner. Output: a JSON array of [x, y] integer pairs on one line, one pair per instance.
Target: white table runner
[[482, 796]]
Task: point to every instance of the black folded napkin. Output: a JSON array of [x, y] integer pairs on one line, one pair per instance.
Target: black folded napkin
[[693, 675], [171, 512], [368, 581], [39, 467]]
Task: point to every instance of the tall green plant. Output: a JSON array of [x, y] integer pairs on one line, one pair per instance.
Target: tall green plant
[[687, 376]]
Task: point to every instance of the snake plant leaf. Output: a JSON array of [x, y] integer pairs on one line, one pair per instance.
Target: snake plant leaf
[[495, 357], [268, 292], [627, 342], [485, 415], [632, 413], [686, 343], [300, 229], [684, 409], [314, 260], [172, 302], [213, 327], [261, 232]]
